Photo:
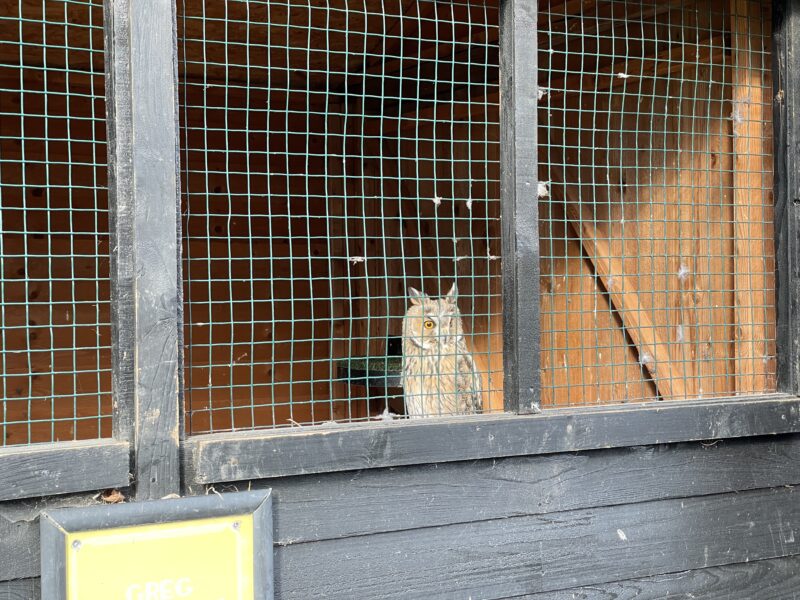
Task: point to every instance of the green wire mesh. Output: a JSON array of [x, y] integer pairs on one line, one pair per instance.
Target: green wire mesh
[[54, 286], [333, 154], [656, 203], [336, 153]]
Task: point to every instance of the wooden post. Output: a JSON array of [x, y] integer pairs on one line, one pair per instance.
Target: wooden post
[[145, 254], [786, 112], [518, 193], [751, 186]]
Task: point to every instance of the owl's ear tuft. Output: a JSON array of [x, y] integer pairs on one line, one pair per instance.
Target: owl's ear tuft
[[415, 295], [452, 294]]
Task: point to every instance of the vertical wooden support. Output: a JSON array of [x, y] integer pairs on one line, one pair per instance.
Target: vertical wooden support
[[145, 253], [786, 118], [750, 195], [518, 193]]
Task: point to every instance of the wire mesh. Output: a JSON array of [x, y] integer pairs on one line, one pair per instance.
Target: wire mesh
[[54, 287], [657, 215], [334, 154]]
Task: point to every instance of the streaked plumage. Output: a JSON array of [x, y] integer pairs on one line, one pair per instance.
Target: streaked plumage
[[439, 374]]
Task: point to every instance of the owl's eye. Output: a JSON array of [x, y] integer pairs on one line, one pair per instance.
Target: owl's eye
[[429, 324]]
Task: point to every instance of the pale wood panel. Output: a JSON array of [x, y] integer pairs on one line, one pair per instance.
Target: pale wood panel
[[661, 187], [585, 355], [752, 196]]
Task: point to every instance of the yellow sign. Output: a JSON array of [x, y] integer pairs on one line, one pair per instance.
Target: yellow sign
[[206, 558], [204, 548]]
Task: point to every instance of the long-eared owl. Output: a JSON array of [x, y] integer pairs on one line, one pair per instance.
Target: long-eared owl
[[439, 374]]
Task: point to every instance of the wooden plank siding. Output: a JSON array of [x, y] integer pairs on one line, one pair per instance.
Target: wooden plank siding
[[21, 589], [678, 518], [497, 529], [19, 533], [772, 579], [344, 504], [503, 558]]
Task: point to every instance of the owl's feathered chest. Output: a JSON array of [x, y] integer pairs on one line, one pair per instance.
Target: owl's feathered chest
[[439, 382], [433, 359]]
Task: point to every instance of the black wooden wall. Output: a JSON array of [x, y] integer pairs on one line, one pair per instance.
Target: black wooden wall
[[718, 520]]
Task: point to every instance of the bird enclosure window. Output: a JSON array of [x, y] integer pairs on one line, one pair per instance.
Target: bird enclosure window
[[341, 207], [656, 222], [55, 333], [336, 155]]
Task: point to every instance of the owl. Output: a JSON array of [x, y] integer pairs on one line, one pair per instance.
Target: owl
[[439, 375]]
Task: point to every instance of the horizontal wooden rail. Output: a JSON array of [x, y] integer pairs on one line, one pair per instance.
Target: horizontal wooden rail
[[63, 468], [250, 455]]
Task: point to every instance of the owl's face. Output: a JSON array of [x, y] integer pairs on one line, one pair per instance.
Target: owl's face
[[432, 322]]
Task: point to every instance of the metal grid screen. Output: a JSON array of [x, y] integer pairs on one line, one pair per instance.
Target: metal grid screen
[[54, 287], [657, 215], [335, 154]]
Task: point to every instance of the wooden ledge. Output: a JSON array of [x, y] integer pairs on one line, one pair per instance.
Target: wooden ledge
[[250, 455]]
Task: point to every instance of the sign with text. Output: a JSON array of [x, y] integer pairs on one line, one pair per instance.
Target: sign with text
[[216, 547]]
